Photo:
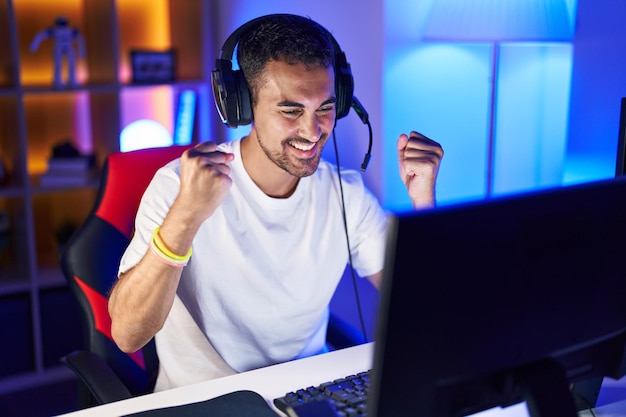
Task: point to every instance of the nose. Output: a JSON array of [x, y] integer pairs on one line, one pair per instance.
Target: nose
[[309, 128]]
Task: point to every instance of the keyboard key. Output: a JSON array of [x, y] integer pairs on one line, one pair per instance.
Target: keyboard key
[[347, 395]]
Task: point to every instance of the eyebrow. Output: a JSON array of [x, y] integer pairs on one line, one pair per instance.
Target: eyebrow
[[288, 103]]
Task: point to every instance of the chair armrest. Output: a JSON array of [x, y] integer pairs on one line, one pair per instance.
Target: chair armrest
[[98, 377]]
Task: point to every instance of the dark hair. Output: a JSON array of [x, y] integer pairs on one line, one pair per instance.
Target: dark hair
[[289, 38]]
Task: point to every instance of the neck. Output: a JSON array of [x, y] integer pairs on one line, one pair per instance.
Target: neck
[[271, 179]]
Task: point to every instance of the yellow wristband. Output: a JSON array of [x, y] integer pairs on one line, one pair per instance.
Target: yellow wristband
[[154, 248], [162, 247]]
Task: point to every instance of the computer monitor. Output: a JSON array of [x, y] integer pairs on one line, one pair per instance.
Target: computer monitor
[[495, 302], [620, 160]]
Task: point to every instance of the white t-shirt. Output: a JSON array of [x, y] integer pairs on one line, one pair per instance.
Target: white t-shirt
[[257, 287]]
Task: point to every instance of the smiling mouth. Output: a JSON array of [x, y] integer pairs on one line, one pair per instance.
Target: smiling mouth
[[302, 146]]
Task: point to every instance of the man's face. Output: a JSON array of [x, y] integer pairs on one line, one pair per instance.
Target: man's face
[[294, 115]]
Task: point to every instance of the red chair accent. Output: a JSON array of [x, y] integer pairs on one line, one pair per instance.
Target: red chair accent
[[90, 261]]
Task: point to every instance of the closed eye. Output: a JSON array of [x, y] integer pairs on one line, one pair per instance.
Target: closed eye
[[292, 112], [326, 109], [293, 109]]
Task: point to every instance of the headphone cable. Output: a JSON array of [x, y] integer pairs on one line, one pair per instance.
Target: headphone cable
[[345, 225]]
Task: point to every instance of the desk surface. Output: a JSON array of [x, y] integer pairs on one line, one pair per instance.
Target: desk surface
[[271, 382], [274, 381]]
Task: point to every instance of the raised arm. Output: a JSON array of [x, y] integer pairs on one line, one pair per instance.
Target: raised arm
[[143, 296], [418, 160]]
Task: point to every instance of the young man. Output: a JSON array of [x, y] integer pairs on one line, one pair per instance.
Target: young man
[[264, 218]]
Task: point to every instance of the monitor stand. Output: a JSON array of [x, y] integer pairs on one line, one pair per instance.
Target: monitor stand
[[546, 390]]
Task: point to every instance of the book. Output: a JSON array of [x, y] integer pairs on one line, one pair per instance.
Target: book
[[68, 178], [71, 165]]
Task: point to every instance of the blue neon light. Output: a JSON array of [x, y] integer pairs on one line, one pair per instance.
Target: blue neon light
[[183, 131]]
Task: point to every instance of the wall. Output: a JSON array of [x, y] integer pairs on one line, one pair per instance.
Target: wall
[[450, 70], [598, 84], [358, 30]]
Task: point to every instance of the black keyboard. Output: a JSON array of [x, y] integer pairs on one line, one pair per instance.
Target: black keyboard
[[348, 395]]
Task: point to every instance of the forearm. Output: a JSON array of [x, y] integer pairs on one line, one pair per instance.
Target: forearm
[[142, 297], [140, 302], [424, 200]]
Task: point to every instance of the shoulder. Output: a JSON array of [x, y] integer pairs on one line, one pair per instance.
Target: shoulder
[[171, 171], [347, 184], [328, 172], [230, 146], [165, 182]]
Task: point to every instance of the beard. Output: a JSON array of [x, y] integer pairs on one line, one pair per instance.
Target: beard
[[285, 160]]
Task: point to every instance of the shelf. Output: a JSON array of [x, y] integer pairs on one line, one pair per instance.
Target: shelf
[[91, 184], [193, 83], [86, 88], [36, 115], [51, 277], [11, 191], [12, 282], [8, 91]]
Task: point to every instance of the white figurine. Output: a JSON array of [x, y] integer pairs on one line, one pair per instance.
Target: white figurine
[[63, 37]]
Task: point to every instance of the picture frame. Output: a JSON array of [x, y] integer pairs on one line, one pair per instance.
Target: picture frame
[[150, 67]]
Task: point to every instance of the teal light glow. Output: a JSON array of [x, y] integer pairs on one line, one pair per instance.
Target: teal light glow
[[532, 115], [442, 91], [498, 20], [498, 106]]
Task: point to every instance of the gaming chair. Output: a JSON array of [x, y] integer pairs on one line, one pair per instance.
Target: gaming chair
[[90, 261]]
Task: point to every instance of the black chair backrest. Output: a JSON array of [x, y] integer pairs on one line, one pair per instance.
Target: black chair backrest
[[90, 259]]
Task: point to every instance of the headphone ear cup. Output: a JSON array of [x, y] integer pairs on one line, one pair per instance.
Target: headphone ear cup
[[244, 103], [223, 86], [344, 85], [231, 95]]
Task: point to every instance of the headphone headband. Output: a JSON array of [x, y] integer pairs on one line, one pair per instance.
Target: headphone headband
[[230, 90]]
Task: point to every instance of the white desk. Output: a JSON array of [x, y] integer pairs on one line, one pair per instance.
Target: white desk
[[275, 381], [271, 382]]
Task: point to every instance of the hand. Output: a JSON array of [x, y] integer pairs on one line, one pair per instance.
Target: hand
[[204, 179], [418, 160]]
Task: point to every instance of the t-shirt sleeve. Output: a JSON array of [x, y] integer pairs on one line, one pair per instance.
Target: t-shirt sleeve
[[154, 206], [367, 230]]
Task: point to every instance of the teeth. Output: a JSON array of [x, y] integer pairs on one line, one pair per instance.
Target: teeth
[[303, 147]]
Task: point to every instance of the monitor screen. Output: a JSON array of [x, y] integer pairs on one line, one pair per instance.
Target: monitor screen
[[620, 160], [495, 302]]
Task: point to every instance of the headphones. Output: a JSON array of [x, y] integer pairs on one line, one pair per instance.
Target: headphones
[[231, 94]]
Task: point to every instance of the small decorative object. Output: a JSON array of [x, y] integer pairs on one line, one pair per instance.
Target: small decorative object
[[67, 167], [153, 66], [64, 38]]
